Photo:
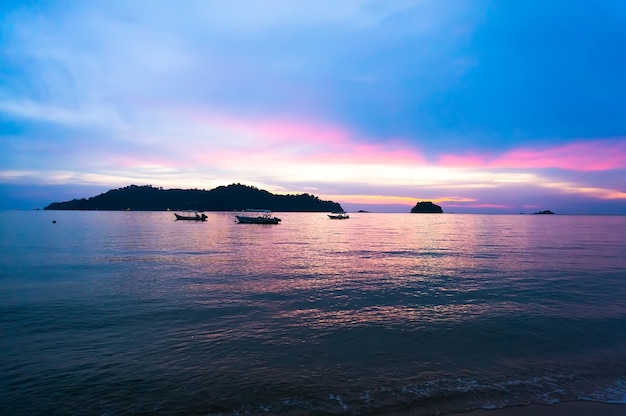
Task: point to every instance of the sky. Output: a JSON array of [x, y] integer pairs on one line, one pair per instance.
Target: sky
[[481, 106]]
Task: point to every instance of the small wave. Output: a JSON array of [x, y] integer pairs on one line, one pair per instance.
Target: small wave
[[612, 393]]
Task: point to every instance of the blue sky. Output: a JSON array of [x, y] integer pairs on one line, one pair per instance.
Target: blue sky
[[479, 106]]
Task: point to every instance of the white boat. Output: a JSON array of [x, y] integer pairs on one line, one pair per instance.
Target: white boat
[[339, 216], [256, 216], [195, 217]]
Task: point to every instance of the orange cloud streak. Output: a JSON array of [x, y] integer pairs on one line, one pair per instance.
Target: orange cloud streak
[[392, 199]]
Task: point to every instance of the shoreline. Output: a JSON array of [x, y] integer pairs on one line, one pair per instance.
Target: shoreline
[[573, 408], [570, 408]]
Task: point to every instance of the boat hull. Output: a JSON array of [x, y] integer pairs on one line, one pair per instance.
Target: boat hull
[[191, 217], [256, 220]]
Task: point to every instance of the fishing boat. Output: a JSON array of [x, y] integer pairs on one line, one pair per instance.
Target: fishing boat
[[339, 216], [256, 216], [195, 217]]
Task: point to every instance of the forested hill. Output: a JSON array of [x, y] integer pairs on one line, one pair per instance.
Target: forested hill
[[222, 198]]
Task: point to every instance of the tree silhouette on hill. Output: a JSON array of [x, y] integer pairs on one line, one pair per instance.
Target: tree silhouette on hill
[[222, 198]]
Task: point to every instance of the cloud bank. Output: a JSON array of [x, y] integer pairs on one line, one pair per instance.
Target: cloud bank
[[481, 106]]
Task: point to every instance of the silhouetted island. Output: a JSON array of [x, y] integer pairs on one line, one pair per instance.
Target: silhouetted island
[[222, 198], [426, 207], [544, 212]]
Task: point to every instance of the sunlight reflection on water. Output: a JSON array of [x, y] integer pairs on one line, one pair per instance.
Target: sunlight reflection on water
[[377, 310]]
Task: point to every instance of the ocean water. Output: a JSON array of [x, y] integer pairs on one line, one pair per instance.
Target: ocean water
[[134, 313]]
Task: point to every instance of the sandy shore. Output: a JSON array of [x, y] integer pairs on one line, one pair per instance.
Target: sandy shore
[[579, 408]]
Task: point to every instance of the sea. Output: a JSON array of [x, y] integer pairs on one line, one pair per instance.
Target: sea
[[135, 313]]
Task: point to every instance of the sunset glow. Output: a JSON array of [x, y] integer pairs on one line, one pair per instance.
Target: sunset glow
[[336, 101]]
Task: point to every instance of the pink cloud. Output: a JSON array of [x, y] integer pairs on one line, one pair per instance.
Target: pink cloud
[[275, 131], [307, 132], [581, 156], [320, 142], [313, 141]]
